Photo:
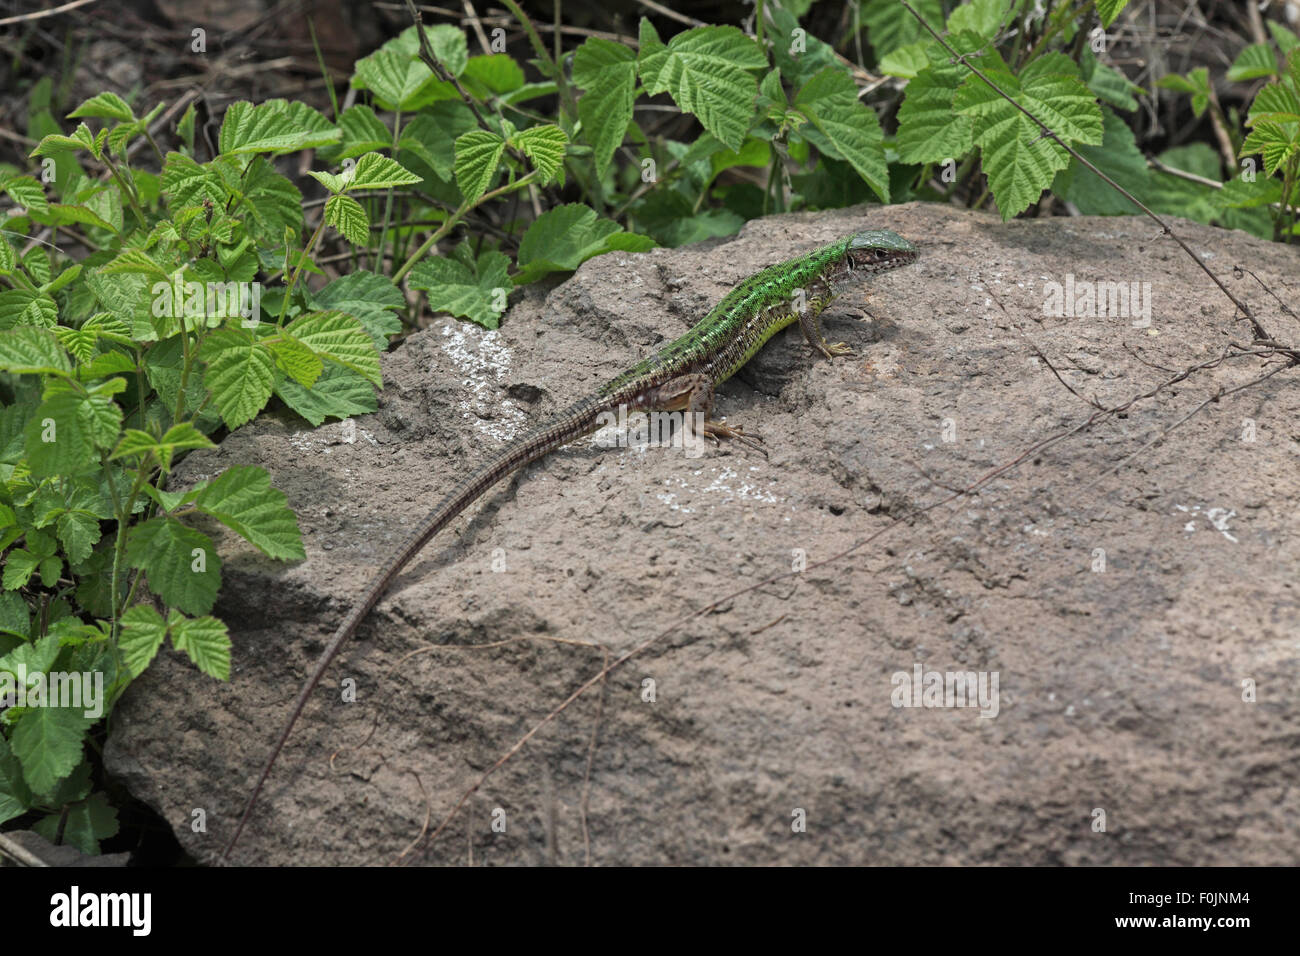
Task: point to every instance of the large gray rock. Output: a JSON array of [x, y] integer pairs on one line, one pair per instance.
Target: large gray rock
[[1120, 689]]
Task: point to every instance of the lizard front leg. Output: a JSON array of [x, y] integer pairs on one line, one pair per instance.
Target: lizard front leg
[[693, 394], [810, 324]]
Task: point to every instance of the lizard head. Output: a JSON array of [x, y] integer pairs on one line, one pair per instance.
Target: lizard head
[[877, 250]]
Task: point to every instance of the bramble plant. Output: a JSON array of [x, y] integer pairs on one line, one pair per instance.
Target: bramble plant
[[151, 299]]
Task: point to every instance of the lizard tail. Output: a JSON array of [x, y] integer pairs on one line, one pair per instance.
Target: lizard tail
[[574, 422]]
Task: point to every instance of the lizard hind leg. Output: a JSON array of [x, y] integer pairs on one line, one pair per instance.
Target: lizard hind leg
[[693, 395]]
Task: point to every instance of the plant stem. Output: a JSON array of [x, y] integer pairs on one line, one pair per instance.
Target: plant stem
[[455, 217]]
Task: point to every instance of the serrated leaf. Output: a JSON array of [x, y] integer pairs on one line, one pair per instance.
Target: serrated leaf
[[1275, 103], [338, 393], [48, 743], [1018, 161], [143, 632], [363, 132], [20, 564], [15, 795], [182, 564], [398, 81], [544, 147], [242, 499], [471, 290], [347, 216], [1108, 10], [566, 236], [298, 361], [65, 431], [206, 641], [83, 824], [478, 153], [498, 72], [340, 338], [374, 171], [240, 371], [1276, 142], [929, 131], [271, 204], [705, 71], [431, 136], [830, 100], [275, 127], [22, 307], [372, 298], [606, 71], [1253, 62], [889, 26], [106, 106], [26, 192]]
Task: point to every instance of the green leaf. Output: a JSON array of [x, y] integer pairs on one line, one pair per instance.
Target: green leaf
[[26, 192], [340, 338], [15, 795], [850, 128], [143, 631], [338, 393], [705, 71], [889, 26], [346, 215], [55, 143], [242, 499], [1253, 62], [929, 130], [1018, 161], [275, 127], [105, 106], [471, 289], [299, 362], [1276, 142], [239, 374], [1284, 38], [83, 824], [20, 564], [48, 743], [1119, 158], [21, 307], [563, 238], [607, 72], [477, 154], [497, 72], [363, 132], [544, 147], [183, 566], [186, 183], [271, 204], [398, 81], [374, 171], [64, 433], [206, 641], [985, 18], [1275, 103], [372, 298], [1108, 10], [1197, 83], [431, 136]]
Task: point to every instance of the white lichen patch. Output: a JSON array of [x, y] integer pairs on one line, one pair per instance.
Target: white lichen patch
[[481, 356], [1217, 518]]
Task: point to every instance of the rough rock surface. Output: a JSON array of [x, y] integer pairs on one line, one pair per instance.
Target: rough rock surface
[[1120, 675]]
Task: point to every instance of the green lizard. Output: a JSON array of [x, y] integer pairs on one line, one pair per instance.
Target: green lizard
[[680, 377]]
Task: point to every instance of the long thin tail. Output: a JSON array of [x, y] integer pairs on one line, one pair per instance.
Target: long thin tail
[[573, 422]]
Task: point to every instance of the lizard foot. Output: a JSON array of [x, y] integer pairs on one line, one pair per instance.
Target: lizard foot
[[718, 430]]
